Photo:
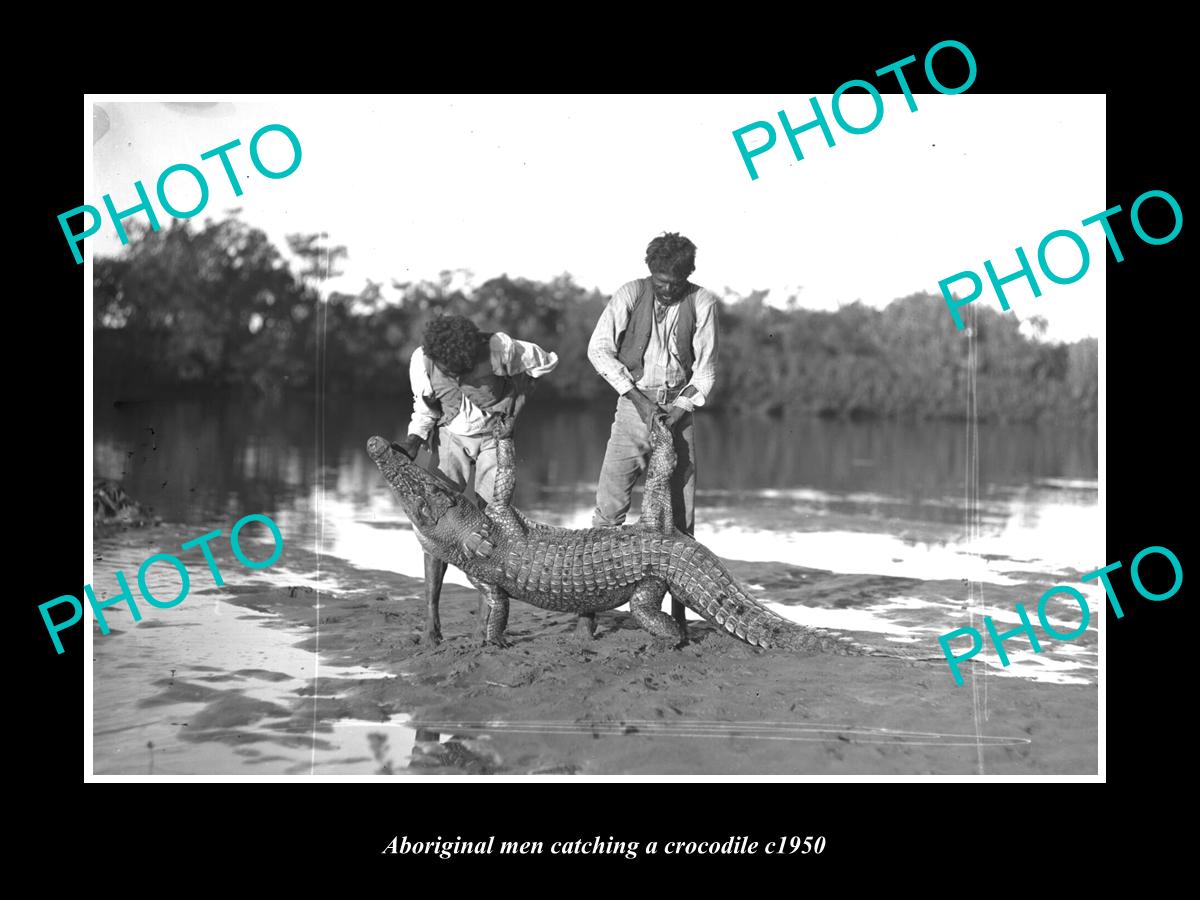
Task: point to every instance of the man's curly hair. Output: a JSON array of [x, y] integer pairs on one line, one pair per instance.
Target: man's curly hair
[[672, 254], [452, 342]]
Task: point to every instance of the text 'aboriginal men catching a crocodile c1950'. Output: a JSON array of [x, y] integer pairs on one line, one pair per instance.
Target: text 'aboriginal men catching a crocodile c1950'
[[461, 379], [656, 344]]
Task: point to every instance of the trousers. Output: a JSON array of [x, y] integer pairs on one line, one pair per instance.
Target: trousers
[[625, 459], [455, 455]]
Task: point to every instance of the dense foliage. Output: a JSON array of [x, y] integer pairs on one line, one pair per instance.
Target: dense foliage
[[220, 306]]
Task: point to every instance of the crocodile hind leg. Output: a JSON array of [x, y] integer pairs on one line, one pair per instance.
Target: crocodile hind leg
[[493, 615], [646, 606]]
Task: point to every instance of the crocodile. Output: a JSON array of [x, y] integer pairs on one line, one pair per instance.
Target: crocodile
[[504, 554]]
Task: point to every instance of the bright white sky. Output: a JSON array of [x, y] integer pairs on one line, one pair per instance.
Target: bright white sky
[[539, 185]]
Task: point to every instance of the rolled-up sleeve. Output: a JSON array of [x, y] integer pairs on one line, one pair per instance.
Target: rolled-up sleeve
[[602, 348], [512, 357], [704, 345], [424, 418]]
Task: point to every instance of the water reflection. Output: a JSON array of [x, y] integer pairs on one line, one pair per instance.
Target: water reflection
[[202, 459]]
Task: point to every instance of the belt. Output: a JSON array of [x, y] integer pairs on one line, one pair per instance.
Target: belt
[[662, 394]]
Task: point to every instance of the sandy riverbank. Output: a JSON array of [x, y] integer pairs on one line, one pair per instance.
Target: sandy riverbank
[[622, 704]]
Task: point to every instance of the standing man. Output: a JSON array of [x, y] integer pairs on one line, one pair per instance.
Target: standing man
[[656, 344], [461, 378]]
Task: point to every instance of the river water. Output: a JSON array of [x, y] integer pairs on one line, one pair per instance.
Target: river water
[[883, 501]]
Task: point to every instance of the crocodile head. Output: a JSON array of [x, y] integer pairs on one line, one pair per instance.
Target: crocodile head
[[438, 510]]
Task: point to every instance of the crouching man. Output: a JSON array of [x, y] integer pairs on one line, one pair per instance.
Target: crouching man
[[461, 378]]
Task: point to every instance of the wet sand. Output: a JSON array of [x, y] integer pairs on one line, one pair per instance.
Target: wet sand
[[622, 704], [625, 704]]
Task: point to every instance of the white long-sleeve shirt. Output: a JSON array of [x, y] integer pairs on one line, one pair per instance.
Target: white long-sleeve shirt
[[509, 357], [659, 362]]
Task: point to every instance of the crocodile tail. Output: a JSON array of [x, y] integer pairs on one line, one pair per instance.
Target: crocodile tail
[[709, 589]]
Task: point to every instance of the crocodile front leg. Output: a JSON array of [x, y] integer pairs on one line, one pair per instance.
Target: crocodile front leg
[[646, 606], [500, 510], [493, 615]]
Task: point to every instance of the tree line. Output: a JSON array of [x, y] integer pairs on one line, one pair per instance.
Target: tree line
[[220, 306]]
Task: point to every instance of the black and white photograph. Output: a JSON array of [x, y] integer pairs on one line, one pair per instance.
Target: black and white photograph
[[585, 436]]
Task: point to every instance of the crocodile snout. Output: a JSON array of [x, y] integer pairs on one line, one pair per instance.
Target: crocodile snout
[[376, 447]]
